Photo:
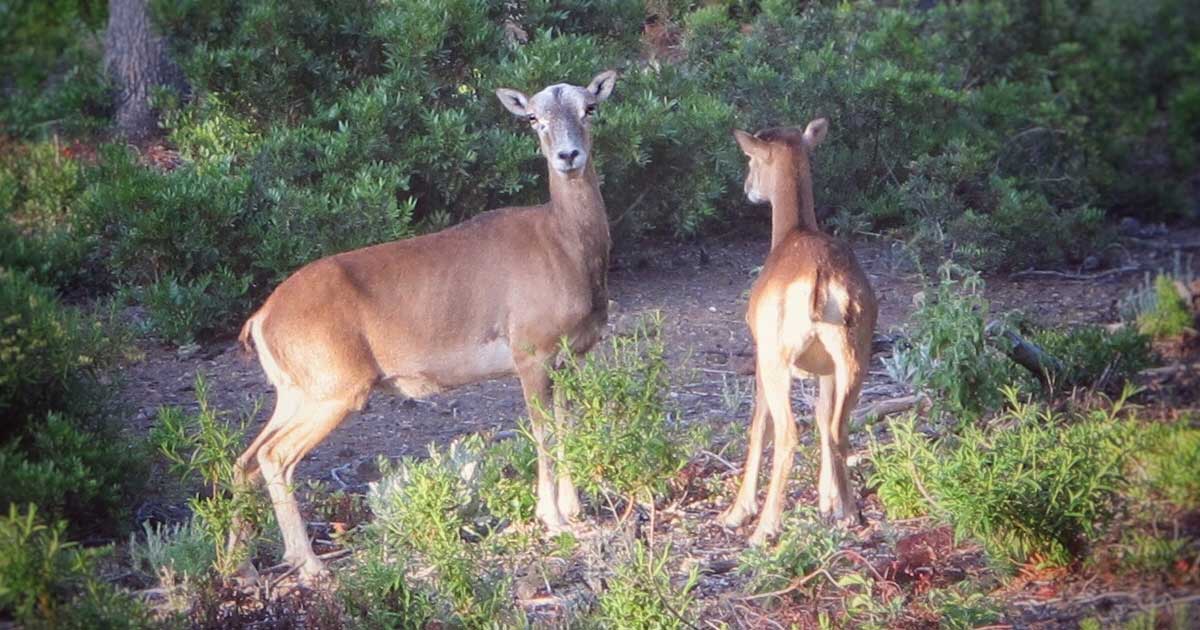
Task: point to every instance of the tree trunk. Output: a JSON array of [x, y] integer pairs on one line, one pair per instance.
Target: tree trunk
[[137, 58]]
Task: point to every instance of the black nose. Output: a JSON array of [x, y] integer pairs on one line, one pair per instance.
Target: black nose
[[568, 156]]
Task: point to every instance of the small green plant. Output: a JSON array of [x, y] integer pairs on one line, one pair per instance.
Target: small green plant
[[958, 610], [947, 352], [1170, 464], [622, 440], [183, 548], [640, 593], [805, 545], [900, 466], [1094, 357], [203, 448], [506, 480], [1035, 484], [425, 507], [375, 592], [1141, 552], [864, 608], [1170, 314], [47, 581]]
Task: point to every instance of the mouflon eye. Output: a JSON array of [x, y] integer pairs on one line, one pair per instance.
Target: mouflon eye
[[532, 119], [589, 110]]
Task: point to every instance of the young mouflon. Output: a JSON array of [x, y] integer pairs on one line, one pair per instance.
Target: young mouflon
[[811, 313]]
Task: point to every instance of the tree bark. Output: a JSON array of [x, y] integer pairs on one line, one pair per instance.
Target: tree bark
[[138, 60]]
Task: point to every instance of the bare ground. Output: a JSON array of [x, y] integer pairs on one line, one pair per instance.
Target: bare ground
[[701, 291]]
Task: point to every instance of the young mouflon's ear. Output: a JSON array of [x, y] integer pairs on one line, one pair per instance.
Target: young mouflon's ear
[[750, 145], [513, 101], [814, 134], [601, 87]]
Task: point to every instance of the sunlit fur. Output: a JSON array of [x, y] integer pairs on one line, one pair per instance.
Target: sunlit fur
[[489, 297], [812, 313]]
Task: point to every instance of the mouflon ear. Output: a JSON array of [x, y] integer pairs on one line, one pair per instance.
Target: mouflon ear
[[750, 145], [513, 101], [814, 134], [601, 86]]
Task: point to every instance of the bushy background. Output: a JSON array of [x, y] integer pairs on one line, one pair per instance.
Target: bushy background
[[1002, 133]]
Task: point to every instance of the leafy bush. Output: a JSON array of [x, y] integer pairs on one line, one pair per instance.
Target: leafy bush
[[375, 593], [50, 61], [805, 545], [48, 353], [1171, 464], [183, 549], [947, 352], [48, 582], [963, 611], [1033, 485], [621, 440], [87, 475], [1169, 315], [506, 480], [422, 507], [899, 468], [203, 447], [1090, 354], [181, 234], [640, 594]]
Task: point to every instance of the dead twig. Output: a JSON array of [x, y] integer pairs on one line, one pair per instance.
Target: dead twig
[[722, 460], [1169, 370], [793, 585], [1080, 277]]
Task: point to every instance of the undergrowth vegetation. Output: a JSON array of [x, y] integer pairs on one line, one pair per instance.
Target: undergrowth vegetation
[[1033, 484]]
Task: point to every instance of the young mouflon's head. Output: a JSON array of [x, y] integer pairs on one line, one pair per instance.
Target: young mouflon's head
[[561, 116], [775, 153]]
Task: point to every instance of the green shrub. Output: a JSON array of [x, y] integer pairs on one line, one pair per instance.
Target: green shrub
[[1140, 552], [422, 507], [1169, 315], [805, 545], [88, 475], [947, 352], [183, 235], [506, 480], [203, 448], [963, 611], [640, 594], [1170, 463], [48, 582], [1090, 353], [899, 468], [622, 439], [50, 60], [182, 550], [1033, 485], [48, 353], [375, 593]]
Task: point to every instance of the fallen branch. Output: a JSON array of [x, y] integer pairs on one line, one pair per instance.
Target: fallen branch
[[1145, 242], [882, 408], [1026, 353], [1083, 277], [1169, 370]]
